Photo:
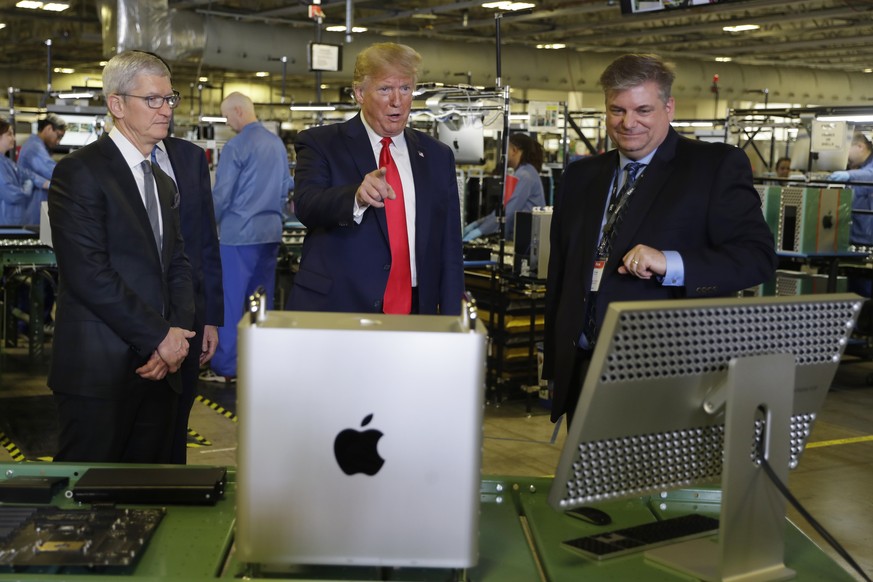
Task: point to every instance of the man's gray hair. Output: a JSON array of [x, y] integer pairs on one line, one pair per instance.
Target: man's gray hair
[[120, 73], [629, 71]]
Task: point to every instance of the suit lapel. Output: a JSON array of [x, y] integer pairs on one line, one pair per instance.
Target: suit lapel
[[358, 143], [423, 203], [592, 214], [169, 200], [649, 191], [126, 186]]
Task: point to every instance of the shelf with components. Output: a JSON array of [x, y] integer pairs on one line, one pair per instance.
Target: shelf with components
[[512, 307]]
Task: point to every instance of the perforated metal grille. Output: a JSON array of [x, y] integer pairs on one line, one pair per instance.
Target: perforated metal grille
[[799, 431], [668, 343], [791, 196], [635, 465], [787, 286]]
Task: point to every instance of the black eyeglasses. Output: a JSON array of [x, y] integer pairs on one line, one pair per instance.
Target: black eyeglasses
[[156, 101]]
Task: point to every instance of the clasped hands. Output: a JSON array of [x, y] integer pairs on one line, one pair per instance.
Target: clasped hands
[[168, 356], [374, 189]]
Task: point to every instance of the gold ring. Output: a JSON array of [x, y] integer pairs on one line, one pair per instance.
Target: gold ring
[[635, 261]]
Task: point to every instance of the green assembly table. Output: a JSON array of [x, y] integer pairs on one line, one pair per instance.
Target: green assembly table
[[520, 540]]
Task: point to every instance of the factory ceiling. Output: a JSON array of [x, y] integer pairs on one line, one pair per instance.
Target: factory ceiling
[[833, 35]]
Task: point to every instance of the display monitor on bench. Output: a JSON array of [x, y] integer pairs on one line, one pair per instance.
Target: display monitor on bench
[[688, 392]]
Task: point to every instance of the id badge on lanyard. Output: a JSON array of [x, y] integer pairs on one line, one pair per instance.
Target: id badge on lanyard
[[600, 262], [597, 274], [612, 211]]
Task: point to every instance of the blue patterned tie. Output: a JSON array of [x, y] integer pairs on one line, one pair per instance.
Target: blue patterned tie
[[617, 207]]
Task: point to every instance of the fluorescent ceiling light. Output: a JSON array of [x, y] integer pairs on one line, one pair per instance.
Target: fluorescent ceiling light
[[2, 25], [312, 108], [741, 28], [262, 74], [50, 6], [508, 6], [65, 70], [425, 15], [851, 118], [82, 95], [552, 46], [868, 70], [202, 79], [723, 59], [342, 28], [213, 119]]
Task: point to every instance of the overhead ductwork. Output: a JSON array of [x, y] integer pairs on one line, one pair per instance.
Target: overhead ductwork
[[150, 25], [244, 46]]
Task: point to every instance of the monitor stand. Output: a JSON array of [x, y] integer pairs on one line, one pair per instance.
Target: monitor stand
[[750, 545]]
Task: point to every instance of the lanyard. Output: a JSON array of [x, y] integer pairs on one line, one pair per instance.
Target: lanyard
[[616, 203]]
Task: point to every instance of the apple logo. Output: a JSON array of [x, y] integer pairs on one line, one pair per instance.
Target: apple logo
[[356, 452]]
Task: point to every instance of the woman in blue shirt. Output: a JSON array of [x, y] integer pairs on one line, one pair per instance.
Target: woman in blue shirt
[[16, 184], [525, 157]]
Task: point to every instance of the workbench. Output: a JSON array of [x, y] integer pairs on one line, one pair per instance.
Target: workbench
[[520, 536]]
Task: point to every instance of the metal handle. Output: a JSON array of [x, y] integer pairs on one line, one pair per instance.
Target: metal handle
[[469, 311], [258, 306]]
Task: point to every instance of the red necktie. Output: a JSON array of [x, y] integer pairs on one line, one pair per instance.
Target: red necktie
[[398, 292]]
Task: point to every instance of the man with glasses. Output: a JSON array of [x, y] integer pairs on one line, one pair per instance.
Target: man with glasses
[[36, 156], [125, 296]]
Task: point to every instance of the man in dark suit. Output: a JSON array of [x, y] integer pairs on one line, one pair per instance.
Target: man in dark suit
[[688, 224], [186, 164], [125, 298], [353, 187]]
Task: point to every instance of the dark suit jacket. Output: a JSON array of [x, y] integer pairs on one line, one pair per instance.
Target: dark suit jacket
[[116, 298], [199, 231], [695, 198], [344, 265], [197, 216]]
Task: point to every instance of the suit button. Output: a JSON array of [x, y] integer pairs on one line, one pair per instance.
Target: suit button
[[386, 267]]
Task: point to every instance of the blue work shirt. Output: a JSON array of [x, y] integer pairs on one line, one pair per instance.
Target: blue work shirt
[[528, 194], [862, 199], [35, 157], [252, 182], [14, 195]]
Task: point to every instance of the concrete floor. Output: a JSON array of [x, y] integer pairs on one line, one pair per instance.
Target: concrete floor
[[833, 481]]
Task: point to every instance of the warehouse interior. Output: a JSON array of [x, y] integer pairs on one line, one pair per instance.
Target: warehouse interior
[[487, 70]]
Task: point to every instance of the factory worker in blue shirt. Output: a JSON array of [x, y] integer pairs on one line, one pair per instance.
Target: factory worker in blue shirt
[[251, 188], [36, 156], [860, 158], [16, 184], [525, 157]]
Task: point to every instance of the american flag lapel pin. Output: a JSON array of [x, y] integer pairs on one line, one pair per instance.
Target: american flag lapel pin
[[420, 154]]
